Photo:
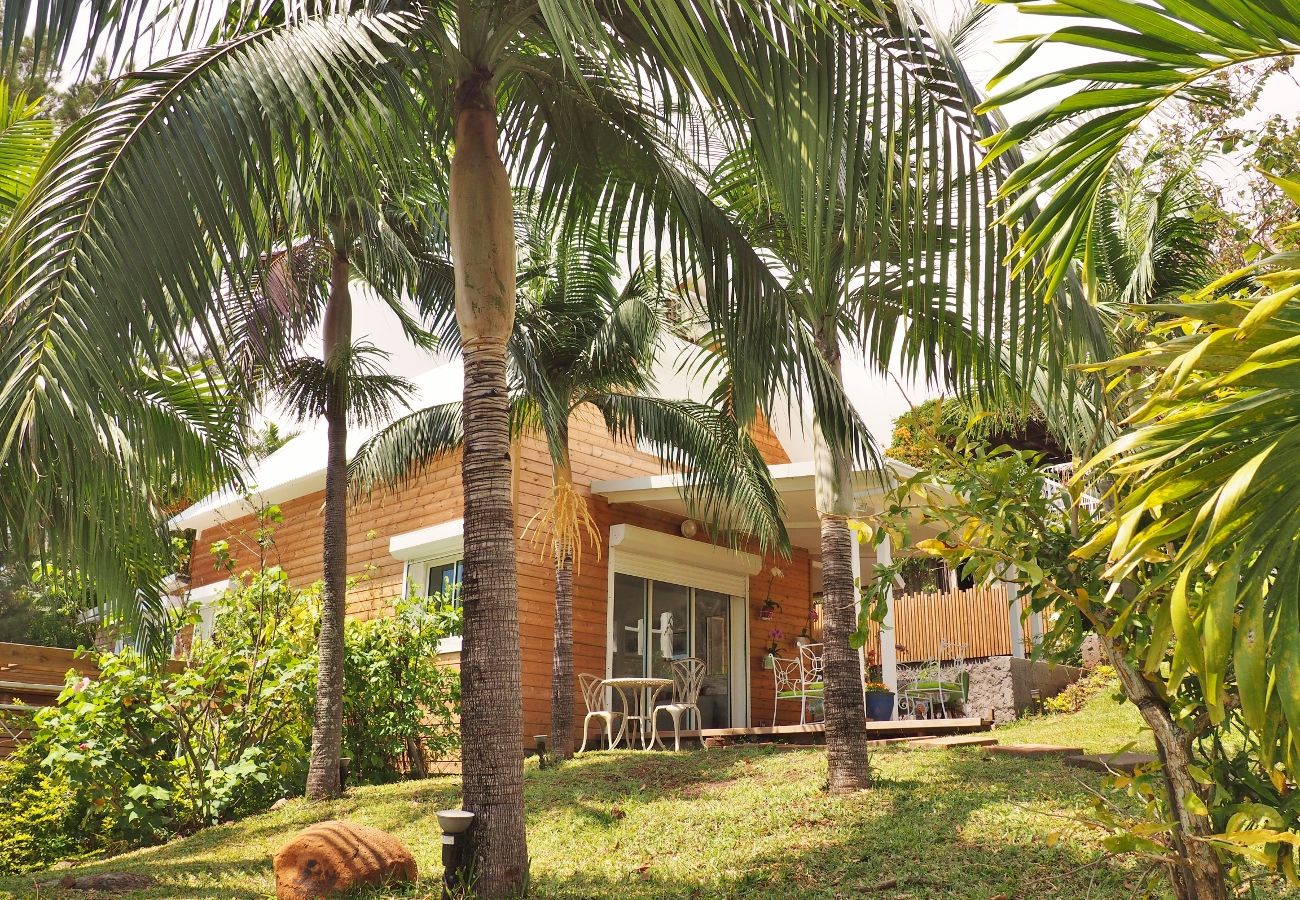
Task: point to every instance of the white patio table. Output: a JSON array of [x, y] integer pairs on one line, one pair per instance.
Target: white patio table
[[639, 695]]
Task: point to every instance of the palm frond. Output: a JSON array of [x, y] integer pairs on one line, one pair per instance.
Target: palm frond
[[140, 218], [726, 481], [1206, 483], [1157, 51], [25, 137], [402, 448]]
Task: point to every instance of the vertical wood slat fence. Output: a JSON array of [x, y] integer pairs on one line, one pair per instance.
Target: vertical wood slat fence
[[978, 618]]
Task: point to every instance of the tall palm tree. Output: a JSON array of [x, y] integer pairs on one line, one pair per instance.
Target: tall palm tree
[[579, 339], [577, 98], [337, 231], [858, 177]]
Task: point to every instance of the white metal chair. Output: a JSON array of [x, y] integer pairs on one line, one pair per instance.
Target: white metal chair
[[799, 679], [688, 679], [593, 695]]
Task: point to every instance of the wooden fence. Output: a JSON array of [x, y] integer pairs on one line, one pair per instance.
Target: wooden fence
[[32, 677], [978, 618]]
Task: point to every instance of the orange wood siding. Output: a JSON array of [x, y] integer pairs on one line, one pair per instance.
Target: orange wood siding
[[435, 496]]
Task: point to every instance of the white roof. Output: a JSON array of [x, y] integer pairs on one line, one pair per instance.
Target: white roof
[[795, 485], [298, 468]]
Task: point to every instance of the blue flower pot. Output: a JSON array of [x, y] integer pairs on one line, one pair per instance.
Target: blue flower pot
[[880, 707]]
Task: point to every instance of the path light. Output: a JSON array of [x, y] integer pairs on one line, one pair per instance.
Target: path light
[[539, 742], [454, 823]]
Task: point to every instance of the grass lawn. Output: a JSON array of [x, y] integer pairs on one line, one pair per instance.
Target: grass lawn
[[747, 821]]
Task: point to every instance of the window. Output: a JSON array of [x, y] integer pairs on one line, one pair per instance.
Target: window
[[434, 558], [442, 579]]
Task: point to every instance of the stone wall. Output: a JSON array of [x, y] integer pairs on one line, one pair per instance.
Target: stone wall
[[1005, 685]]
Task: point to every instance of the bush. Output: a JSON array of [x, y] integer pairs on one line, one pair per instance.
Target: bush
[[1077, 695], [399, 705], [144, 752], [39, 816], [171, 751]]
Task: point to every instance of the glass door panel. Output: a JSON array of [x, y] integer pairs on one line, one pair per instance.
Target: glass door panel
[[656, 622], [712, 633], [670, 623]]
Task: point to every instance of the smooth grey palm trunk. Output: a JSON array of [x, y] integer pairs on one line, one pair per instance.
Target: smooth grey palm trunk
[[483, 249], [562, 662], [327, 721], [847, 762]]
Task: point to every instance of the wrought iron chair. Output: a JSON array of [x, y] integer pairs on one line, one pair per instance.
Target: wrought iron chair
[[593, 695], [934, 685], [800, 679], [688, 679]]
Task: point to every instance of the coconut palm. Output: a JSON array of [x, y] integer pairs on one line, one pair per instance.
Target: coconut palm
[[574, 100], [580, 340]]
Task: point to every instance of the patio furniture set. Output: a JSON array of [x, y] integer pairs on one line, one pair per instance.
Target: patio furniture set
[[639, 695], [925, 692]]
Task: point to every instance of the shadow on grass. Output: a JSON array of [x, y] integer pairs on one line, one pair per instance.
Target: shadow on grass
[[746, 821]]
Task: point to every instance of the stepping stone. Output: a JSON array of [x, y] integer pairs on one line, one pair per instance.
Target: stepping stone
[[1107, 762], [1034, 750], [957, 740]]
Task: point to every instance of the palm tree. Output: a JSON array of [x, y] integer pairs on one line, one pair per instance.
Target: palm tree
[[858, 177], [578, 340], [181, 169], [336, 233]]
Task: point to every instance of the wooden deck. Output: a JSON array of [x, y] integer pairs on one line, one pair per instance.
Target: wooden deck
[[875, 730]]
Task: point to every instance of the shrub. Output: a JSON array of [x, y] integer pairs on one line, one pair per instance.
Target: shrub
[[1077, 695], [164, 751], [143, 752], [38, 816], [398, 703]]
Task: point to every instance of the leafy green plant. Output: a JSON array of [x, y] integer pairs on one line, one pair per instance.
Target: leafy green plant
[[399, 704], [997, 517], [1073, 698], [161, 750], [37, 812]]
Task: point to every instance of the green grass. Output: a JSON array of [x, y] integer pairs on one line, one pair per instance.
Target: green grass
[[1102, 726], [747, 821]]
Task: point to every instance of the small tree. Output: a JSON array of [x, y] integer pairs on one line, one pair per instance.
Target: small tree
[[1214, 791]]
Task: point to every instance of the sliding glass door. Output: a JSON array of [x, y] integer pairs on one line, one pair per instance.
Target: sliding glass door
[[657, 622]]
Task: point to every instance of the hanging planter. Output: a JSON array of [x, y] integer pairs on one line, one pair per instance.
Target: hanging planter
[[770, 606]]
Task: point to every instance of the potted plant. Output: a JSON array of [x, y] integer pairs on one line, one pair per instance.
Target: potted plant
[[769, 658], [880, 701], [770, 606]]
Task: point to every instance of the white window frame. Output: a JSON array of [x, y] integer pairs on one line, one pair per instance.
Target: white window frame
[[205, 597], [423, 549]]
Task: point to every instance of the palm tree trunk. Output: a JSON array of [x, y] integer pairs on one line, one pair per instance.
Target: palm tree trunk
[[846, 721], [562, 662], [327, 723], [492, 722]]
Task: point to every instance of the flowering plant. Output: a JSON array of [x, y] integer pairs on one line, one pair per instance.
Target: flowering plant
[[876, 687], [773, 636]]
